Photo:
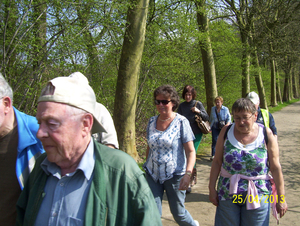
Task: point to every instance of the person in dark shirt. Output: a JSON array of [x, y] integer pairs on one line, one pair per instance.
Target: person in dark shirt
[[189, 108]]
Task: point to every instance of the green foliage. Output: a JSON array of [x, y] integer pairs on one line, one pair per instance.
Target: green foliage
[[227, 51]]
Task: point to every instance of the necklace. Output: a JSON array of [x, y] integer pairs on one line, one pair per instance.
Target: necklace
[[164, 120], [244, 145]]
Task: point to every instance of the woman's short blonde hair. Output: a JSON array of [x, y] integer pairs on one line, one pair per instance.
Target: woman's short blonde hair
[[219, 98]]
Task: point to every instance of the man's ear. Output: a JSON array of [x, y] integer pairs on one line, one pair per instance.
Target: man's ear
[[6, 101], [87, 121]]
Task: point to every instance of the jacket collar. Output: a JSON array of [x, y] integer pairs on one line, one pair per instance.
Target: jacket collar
[[25, 136]]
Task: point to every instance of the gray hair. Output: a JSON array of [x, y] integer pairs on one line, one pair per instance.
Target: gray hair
[[5, 89], [243, 104]]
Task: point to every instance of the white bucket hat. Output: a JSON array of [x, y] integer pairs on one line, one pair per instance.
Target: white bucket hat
[[75, 91]]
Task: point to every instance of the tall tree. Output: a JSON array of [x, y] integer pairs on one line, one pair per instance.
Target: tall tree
[[8, 31], [128, 76], [257, 73], [273, 22], [207, 55], [278, 90], [287, 80], [273, 78], [244, 13], [39, 50]]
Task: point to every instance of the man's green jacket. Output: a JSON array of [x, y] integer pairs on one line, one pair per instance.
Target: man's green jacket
[[119, 193]]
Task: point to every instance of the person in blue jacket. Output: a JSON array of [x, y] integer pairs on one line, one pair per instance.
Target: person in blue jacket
[[19, 149], [219, 117]]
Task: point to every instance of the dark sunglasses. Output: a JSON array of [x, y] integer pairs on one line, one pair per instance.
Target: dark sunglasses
[[164, 102]]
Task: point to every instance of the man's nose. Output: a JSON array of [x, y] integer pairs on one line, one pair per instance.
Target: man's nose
[[42, 131]]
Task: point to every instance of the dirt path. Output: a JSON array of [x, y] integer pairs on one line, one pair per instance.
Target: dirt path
[[288, 128]]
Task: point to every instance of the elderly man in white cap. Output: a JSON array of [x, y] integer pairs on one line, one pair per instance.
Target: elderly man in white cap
[[263, 116], [79, 181]]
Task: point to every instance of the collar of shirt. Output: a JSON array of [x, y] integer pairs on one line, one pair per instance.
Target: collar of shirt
[[86, 164]]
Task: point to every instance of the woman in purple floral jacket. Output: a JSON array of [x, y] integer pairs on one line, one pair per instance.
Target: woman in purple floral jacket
[[245, 153]]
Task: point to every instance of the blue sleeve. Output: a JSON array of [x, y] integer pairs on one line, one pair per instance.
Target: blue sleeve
[[211, 117], [186, 131], [272, 124], [228, 115]]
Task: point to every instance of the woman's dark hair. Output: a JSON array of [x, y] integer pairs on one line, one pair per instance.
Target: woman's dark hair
[[243, 104], [169, 92], [191, 89]]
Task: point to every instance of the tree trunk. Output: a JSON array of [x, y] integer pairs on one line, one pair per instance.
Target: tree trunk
[[10, 18], [128, 76], [291, 83], [287, 82], [273, 83], [257, 75], [273, 77], [259, 82], [39, 50], [295, 84], [278, 90], [207, 56], [244, 18], [245, 64], [40, 30]]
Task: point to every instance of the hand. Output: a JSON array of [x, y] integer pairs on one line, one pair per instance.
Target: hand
[[213, 197], [184, 182], [194, 109], [281, 208]]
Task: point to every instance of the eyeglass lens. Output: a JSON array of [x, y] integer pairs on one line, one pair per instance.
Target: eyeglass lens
[[164, 102], [243, 118]]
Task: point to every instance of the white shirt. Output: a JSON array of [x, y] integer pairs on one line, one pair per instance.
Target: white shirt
[[103, 116]]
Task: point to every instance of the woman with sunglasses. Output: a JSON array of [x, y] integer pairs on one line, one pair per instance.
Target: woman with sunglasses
[[245, 154], [189, 108], [170, 154]]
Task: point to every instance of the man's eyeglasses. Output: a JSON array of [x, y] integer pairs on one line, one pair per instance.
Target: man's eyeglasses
[[238, 119], [164, 102]]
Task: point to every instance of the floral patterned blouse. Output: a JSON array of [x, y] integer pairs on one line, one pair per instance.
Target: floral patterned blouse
[[166, 154], [250, 160]]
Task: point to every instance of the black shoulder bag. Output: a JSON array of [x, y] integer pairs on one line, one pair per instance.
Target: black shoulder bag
[[221, 124]]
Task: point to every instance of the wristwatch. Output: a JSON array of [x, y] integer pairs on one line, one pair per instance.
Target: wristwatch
[[188, 173]]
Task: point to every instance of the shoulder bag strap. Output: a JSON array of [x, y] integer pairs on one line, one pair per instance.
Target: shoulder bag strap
[[226, 131], [195, 107], [195, 112], [217, 114]]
